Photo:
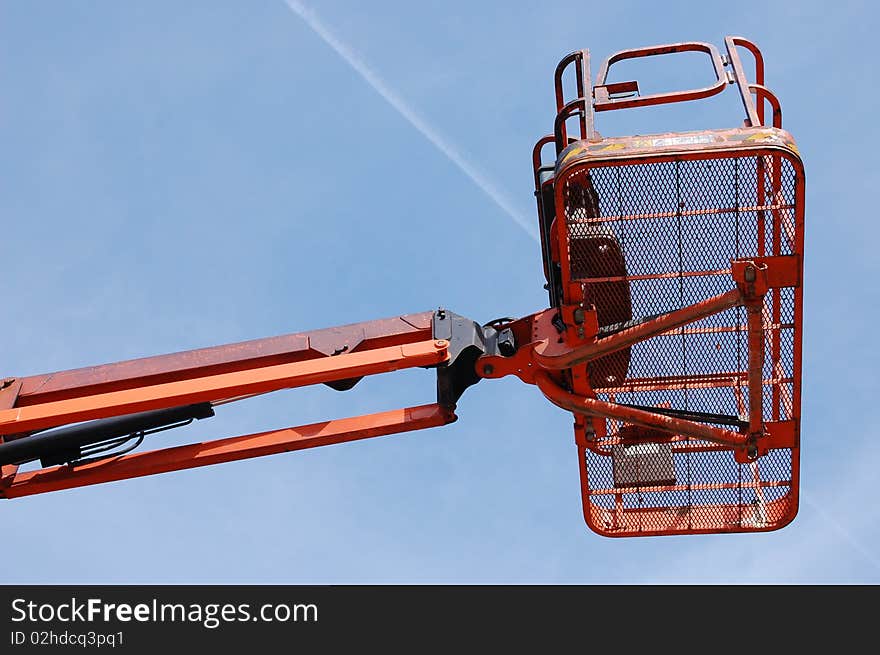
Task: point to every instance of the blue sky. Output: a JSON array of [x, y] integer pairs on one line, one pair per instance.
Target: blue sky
[[177, 175]]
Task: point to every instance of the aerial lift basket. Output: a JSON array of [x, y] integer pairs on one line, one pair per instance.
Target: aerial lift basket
[[637, 228]]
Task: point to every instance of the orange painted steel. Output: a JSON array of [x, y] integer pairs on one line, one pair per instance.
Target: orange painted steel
[[754, 113], [653, 337], [603, 101], [228, 358], [594, 407], [338, 356], [222, 386], [755, 342], [570, 357], [8, 395], [620, 521], [228, 450]]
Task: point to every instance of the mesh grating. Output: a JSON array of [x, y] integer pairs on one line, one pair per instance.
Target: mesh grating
[[678, 224]]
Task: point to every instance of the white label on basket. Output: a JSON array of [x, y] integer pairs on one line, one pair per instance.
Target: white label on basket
[[682, 140]]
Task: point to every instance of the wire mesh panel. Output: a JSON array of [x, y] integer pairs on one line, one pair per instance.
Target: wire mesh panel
[[678, 224]]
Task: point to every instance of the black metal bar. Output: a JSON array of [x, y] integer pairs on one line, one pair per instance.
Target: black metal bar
[[467, 342], [53, 444], [702, 417]]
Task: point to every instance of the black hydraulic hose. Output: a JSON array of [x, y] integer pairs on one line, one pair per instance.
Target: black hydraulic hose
[[64, 444]]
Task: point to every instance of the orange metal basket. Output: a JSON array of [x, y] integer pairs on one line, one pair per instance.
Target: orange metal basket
[[646, 225]]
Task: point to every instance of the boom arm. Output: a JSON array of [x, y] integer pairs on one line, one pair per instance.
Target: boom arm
[[145, 390]]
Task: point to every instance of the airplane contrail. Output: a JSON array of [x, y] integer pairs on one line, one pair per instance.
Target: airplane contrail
[[392, 98], [842, 531]]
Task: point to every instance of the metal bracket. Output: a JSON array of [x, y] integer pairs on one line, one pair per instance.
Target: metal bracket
[[468, 341]]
